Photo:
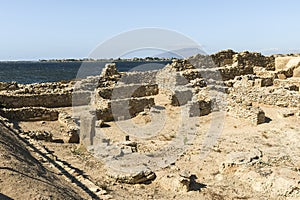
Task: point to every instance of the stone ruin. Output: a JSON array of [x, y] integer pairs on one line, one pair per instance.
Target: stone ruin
[[225, 81], [201, 88], [236, 83]]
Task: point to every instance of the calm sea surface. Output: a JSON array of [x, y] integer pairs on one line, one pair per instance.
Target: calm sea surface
[[37, 72]]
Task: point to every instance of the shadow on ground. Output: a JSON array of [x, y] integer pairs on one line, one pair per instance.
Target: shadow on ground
[[194, 185], [4, 197]]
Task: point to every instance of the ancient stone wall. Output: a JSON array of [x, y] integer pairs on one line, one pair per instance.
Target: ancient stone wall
[[36, 88], [109, 110], [128, 91], [245, 110], [123, 95], [36, 100], [284, 96], [223, 58], [251, 75], [72, 133], [254, 59], [146, 77], [278, 97], [30, 114]]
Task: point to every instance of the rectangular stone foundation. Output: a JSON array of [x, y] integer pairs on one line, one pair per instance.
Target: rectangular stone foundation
[[122, 109]]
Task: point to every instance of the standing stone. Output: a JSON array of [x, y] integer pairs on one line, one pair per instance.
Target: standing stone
[[261, 118], [87, 128]]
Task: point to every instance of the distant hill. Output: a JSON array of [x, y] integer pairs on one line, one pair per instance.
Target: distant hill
[[181, 53]]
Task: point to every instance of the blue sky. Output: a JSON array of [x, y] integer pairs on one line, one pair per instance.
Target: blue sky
[[36, 29]]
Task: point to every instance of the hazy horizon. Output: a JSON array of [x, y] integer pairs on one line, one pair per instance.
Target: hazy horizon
[[139, 56], [33, 30]]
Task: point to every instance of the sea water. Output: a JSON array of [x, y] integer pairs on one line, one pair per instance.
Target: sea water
[[37, 72]]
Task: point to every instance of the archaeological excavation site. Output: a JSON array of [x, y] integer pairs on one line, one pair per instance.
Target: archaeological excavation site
[[220, 126]]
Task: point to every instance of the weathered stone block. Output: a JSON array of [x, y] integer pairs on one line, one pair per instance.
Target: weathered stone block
[[181, 97], [87, 128], [200, 108], [263, 82]]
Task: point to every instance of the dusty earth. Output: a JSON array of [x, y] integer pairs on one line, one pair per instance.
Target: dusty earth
[[23, 176], [246, 161]]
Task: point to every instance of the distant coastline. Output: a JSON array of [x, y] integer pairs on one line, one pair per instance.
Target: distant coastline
[[147, 59], [65, 60]]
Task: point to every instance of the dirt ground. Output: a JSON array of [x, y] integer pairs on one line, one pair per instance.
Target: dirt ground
[[24, 176], [246, 161]]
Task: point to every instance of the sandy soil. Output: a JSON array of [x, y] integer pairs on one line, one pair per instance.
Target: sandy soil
[[24, 176], [276, 143]]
